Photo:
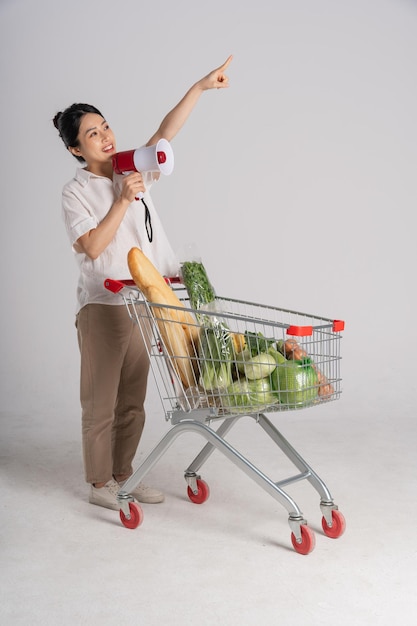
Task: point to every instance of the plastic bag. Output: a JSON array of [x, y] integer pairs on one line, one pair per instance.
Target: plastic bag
[[195, 279]]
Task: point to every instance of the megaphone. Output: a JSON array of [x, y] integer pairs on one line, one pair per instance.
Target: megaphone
[[156, 158]]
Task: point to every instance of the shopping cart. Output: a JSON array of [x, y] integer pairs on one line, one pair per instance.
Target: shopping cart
[[225, 376]]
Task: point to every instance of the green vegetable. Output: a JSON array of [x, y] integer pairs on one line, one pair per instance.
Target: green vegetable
[[215, 356], [245, 396], [242, 358], [295, 382], [278, 357], [197, 284], [259, 366], [257, 342]]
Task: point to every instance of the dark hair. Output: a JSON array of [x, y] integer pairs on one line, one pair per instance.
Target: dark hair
[[68, 124]]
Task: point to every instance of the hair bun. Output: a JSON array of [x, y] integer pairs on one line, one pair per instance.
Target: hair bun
[[56, 119]]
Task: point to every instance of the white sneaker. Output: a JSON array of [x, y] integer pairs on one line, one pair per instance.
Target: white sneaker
[[143, 493], [106, 496]]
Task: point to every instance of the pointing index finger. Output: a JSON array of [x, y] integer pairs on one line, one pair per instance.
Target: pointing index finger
[[227, 62]]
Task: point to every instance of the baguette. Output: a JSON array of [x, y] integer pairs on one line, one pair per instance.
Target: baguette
[[150, 281], [181, 349], [178, 328]]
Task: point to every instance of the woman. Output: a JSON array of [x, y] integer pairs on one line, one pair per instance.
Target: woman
[[103, 222]]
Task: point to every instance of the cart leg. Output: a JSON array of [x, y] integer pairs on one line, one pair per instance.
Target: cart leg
[[307, 471], [333, 521], [154, 456], [208, 449], [168, 439], [247, 467]]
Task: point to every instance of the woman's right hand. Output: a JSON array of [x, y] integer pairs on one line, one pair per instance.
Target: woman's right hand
[[132, 185], [97, 239]]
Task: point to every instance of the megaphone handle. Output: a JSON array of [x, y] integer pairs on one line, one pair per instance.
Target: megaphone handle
[[140, 194]]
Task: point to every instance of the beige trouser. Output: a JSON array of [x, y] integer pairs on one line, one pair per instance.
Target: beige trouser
[[114, 373]]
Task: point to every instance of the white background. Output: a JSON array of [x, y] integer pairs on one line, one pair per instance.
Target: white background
[[297, 184]]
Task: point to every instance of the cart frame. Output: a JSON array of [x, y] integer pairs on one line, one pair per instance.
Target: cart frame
[[185, 416]]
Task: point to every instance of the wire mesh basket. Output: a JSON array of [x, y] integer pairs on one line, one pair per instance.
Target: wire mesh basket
[[232, 356]]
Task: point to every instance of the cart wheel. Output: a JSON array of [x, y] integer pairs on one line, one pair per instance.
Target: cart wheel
[[308, 540], [338, 525], [136, 516], [203, 492]]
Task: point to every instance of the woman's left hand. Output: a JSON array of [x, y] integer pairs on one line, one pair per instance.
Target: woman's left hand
[[175, 119], [217, 79]]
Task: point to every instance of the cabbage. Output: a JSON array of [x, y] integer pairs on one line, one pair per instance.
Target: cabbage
[[254, 367], [249, 396], [295, 382]]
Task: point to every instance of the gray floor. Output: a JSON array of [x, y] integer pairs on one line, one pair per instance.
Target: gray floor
[[230, 560]]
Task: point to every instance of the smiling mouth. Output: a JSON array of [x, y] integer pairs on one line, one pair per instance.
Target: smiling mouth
[[108, 148]]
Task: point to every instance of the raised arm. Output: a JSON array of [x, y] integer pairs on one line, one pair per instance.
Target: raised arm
[[176, 118]]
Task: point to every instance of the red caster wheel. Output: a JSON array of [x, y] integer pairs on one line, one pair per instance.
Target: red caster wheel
[[136, 516], [338, 525], [307, 543], [203, 492]]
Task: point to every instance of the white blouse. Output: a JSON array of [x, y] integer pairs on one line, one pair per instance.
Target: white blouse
[[86, 200]]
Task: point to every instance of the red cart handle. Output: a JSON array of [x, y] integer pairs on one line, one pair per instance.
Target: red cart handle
[[306, 331], [117, 285]]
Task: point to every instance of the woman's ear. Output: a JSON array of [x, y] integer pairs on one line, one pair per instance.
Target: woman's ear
[[74, 151]]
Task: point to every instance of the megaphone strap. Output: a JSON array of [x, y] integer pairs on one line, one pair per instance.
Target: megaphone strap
[[148, 222]]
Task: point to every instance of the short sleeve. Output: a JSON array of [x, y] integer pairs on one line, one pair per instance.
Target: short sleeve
[[77, 216]]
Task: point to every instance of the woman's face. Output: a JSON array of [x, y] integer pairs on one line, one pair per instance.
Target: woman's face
[[96, 142]]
